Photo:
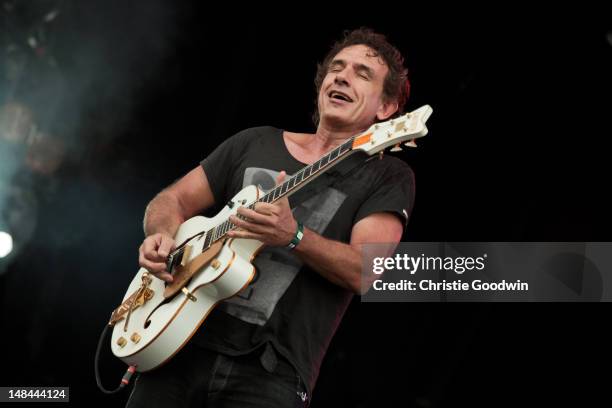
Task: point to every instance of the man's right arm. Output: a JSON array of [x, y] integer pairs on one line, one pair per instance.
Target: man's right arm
[[189, 196]]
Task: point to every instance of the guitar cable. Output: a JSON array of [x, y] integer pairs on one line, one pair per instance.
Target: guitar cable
[[126, 377]]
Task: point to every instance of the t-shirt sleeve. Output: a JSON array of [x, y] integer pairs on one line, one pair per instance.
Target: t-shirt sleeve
[[393, 192], [222, 162]]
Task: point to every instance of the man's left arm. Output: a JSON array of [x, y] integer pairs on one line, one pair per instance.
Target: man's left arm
[[340, 263]]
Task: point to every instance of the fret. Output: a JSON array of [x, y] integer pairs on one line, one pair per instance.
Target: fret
[[324, 161], [284, 187], [292, 182], [347, 145], [220, 230], [208, 239], [334, 154], [299, 176], [307, 172], [277, 193], [316, 165]]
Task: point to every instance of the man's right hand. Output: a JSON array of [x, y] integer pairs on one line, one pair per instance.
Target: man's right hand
[[153, 254]]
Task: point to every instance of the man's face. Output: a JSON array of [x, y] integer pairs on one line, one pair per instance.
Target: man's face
[[351, 93]]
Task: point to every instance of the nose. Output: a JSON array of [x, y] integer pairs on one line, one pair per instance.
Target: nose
[[340, 78]]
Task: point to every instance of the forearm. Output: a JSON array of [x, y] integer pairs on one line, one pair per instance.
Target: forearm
[[163, 215], [337, 262]]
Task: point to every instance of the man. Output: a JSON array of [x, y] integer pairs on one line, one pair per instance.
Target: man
[[264, 346]]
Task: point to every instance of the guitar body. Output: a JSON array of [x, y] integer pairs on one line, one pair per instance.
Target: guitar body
[[162, 325]]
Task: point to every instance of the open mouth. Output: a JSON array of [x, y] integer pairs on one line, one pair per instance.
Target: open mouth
[[339, 96]]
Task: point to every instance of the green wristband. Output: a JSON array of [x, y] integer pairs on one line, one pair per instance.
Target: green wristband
[[297, 237]]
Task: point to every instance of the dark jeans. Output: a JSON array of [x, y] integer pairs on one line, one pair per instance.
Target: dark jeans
[[197, 377]]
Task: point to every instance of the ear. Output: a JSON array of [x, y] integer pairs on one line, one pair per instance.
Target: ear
[[386, 109]]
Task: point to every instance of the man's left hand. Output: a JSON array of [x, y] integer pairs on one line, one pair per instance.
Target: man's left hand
[[272, 224]]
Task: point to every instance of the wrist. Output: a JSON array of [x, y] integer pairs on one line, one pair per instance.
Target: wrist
[[297, 237]]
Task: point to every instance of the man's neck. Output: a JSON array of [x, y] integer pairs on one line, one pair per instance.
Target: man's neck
[[326, 138]]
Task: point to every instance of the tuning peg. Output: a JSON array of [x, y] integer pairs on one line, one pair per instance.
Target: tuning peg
[[410, 143], [396, 148]]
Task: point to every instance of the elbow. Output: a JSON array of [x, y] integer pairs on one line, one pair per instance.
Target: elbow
[[361, 288], [357, 285], [355, 289]]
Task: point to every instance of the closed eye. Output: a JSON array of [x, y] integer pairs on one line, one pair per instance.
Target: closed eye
[[336, 66]]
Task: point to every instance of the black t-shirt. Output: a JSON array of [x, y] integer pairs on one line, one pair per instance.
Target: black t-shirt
[[288, 304]]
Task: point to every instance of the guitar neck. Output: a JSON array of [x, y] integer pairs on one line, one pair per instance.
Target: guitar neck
[[299, 180], [309, 173]]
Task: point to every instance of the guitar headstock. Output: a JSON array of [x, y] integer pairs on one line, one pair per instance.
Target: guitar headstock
[[404, 129]]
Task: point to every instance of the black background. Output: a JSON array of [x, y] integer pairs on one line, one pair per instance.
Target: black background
[[517, 151]]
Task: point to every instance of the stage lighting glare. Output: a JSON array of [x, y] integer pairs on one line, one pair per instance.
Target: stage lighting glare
[[6, 244]]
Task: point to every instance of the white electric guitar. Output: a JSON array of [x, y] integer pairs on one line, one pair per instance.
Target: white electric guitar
[[156, 319]]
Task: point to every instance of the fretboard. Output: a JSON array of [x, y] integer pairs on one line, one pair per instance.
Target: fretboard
[[290, 186]]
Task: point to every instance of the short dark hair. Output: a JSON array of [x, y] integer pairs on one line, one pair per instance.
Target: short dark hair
[[396, 86]]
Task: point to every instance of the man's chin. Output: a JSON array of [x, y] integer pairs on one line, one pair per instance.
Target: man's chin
[[336, 120]]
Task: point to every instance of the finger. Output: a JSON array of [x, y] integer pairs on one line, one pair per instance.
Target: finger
[[165, 276], [281, 177], [244, 234], [165, 246], [266, 208], [149, 246], [249, 226], [254, 216], [153, 267], [282, 203], [154, 257]]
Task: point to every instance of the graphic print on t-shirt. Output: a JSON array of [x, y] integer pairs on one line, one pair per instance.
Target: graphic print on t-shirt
[[277, 266]]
